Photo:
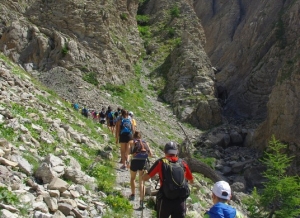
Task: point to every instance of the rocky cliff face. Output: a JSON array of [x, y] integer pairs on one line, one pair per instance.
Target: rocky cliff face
[[190, 86], [62, 41], [197, 54], [255, 48]]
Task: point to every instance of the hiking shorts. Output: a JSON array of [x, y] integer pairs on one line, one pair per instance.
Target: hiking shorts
[[136, 165], [111, 123], [125, 137], [175, 208]]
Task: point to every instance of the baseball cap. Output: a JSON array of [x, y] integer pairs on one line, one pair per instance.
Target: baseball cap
[[222, 190], [171, 148]]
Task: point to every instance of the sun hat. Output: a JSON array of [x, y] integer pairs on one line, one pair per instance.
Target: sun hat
[[222, 190], [171, 148]]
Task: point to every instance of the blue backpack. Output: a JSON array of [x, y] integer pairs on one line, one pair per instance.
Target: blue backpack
[[126, 126], [111, 116]]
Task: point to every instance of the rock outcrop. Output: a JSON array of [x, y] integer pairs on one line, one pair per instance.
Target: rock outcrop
[[254, 47]]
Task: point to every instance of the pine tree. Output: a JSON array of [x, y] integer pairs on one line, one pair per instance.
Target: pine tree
[[280, 197]]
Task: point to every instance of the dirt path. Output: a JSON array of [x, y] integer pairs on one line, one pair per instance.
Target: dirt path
[[123, 183]]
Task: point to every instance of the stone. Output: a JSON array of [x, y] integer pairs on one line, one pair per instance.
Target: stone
[[23, 164], [45, 173], [65, 208], [51, 203], [58, 184], [7, 214]]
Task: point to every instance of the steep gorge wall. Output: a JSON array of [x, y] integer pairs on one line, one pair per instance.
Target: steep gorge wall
[[255, 47], [189, 78], [61, 41]]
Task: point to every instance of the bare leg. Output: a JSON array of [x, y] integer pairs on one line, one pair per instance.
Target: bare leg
[[141, 185], [123, 151], [127, 150], [132, 181]]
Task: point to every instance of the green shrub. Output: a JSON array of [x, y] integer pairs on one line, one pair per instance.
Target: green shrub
[[142, 20], [116, 89], [119, 204], [281, 194], [175, 12], [144, 31], [65, 49], [124, 16], [104, 176], [171, 32], [91, 77], [8, 197]]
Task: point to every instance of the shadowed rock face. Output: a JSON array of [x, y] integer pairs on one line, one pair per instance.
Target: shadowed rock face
[[190, 79], [255, 47]]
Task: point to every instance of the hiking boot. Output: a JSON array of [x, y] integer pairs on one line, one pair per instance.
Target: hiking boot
[[131, 197], [141, 205], [123, 167]]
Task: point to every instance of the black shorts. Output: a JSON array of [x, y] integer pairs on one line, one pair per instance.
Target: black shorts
[[175, 208], [125, 137], [136, 165], [111, 123]]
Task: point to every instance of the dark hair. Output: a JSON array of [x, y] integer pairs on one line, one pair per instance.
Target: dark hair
[[137, 135], [124, 113]]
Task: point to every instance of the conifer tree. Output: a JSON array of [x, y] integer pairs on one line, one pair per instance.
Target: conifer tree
[[280, 197]]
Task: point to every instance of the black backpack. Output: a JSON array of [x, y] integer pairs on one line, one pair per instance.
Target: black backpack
[[175, 185]]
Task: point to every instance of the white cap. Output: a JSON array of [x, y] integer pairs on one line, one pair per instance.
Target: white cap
[[130, 113], [222, 190]]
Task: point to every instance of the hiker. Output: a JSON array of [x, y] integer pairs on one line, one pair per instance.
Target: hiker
[[173, 172], [132, 121], [140, 151], [221, 194], [85, 112], [110, 119], [124, 137], [102, 116], [76, 106]]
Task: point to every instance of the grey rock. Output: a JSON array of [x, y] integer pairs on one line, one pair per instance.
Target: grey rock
[[45, 173], [23, 164], [58, 184], [65, 208]]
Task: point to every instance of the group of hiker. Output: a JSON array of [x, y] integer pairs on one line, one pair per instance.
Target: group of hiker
[[174, 173]]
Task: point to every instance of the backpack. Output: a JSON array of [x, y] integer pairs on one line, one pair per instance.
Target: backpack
[[139, 151], [175, 184], [111, 115], [84, 112], [126, 126]]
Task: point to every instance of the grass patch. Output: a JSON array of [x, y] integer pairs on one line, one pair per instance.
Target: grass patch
[[91, 78], [119, 204], [7, 132]]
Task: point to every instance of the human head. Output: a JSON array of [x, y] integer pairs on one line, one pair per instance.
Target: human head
[[171, 148], [137, 135], [222, 190], [130, 113], [124, 113]]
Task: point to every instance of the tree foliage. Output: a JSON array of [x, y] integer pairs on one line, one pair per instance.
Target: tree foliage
[[281, 194]]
